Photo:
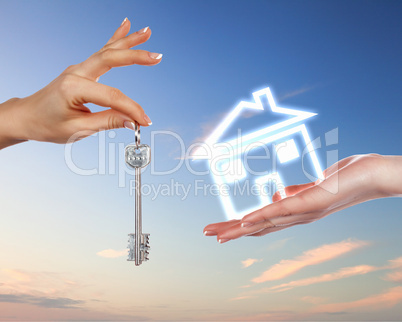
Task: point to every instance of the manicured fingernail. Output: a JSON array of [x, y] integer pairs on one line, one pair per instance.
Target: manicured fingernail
[[221, 241], [129, 125], [155, 55], [143, 31], [124, 21], [147, 119], [247, 224], [209, 233]]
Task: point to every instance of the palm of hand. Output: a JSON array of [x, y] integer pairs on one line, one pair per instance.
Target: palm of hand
[[347, 182]]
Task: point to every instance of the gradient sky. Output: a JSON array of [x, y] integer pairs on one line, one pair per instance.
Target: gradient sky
[[58, 229]]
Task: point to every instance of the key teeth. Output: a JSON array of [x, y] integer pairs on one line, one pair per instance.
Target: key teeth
[[130, 255], [144, 248], [130, 246]]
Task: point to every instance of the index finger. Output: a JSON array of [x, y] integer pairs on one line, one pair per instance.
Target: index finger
[[213, 229], [103, 95], [101, 62]]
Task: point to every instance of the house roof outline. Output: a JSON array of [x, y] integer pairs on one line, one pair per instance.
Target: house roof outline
[[256, 105]]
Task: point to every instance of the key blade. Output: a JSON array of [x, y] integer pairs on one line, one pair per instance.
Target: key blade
[[138, 217]]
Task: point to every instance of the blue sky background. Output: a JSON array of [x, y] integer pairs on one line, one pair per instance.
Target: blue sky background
[[340, 59]]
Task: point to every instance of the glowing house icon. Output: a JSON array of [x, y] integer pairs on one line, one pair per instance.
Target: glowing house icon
[[285, 151]]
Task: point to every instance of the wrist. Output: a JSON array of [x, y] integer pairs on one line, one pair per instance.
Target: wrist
[[390, 179], [9, 123]]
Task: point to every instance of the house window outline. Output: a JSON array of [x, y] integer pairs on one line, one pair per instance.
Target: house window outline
[[287, 151]]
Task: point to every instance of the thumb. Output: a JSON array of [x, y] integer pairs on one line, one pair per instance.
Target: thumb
[[105, 120], [292, 190]]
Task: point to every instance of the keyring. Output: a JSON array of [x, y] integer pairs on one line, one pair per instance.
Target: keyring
[[137, 134]]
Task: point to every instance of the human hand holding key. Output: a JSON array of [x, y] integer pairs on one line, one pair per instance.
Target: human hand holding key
[[57, 113]]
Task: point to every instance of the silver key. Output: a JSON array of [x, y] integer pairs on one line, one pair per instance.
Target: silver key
[[138, 156]]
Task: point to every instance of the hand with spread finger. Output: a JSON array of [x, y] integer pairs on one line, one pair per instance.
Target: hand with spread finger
[[57, 112], [350, 181]]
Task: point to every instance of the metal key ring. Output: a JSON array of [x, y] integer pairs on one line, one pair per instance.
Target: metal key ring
[[137, 134]]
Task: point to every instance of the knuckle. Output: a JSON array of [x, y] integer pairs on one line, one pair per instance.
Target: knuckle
[[106, 55], [115, 94], [70, 69], [107, 46], [105, 58], [113, 123], [67, 84]]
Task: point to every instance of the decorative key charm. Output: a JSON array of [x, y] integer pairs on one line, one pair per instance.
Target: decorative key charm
[[138, 156]]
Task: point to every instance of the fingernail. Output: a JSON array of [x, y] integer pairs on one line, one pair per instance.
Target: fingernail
[[147, 119], [221, 241], [247, 224], [125, 19], [209, 233], [143, 30], [129, 125], [155, 55]]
